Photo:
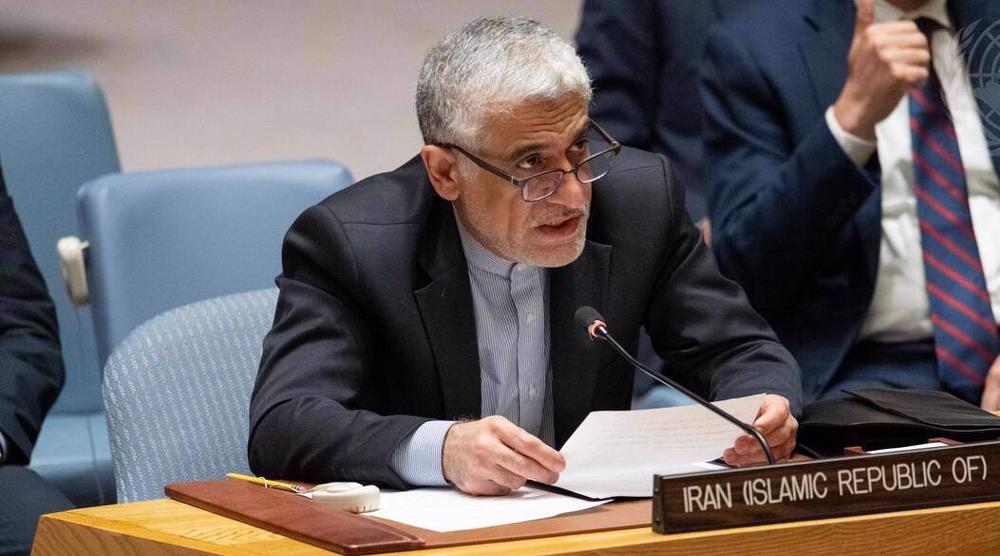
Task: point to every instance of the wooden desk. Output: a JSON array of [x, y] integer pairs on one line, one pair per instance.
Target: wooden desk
[[166, 527]]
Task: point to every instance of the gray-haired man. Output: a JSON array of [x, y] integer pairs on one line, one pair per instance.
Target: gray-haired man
[[424, 329]]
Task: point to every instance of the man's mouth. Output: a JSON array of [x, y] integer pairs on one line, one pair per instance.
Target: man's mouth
[[561, 227]]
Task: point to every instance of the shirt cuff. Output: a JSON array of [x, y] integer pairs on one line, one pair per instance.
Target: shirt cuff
[[417, 459], [857, 149], [3, 448]]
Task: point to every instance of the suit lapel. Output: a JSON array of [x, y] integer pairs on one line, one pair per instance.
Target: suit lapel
[[446, 308], [574, 357], [825, 56], [824, 53]]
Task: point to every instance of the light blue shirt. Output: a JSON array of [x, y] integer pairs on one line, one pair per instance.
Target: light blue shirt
[[510, 301]]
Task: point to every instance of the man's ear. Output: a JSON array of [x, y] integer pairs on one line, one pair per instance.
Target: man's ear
[[442, 168]]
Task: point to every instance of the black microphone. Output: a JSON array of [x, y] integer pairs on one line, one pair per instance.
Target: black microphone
[[592, 321]]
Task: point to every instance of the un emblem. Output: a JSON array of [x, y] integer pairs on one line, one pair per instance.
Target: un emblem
[[981, 45]]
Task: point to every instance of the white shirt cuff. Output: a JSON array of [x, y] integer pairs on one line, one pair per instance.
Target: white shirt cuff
[[857, 149], [417, 459], [3, 448]]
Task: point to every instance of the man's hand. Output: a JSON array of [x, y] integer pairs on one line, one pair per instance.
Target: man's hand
[[774, 420], [991, 389], [885, 61], [493, 456]]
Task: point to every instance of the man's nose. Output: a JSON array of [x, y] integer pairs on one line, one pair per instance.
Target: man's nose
[[570, 193]]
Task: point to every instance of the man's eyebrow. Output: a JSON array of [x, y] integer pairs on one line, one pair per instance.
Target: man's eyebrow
[[524, 150], [521, 151]]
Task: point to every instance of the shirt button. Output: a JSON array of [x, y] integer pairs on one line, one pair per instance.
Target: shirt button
[[520, 267], [530, 318], [532, 393]]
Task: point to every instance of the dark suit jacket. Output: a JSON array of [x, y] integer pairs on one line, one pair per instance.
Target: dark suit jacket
[[643, 56], [31, 367], [375, 331], [794, 221]]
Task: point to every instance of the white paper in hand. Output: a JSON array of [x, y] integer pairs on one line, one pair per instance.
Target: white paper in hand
[[616, 453]]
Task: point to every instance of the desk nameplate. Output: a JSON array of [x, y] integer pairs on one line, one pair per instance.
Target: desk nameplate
[[827, 488]]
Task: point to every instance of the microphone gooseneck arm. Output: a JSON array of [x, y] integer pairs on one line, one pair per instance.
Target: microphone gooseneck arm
[[598, 329]]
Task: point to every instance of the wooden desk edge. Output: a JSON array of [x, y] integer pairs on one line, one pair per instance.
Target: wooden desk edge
[[79, 521], [166, 543]]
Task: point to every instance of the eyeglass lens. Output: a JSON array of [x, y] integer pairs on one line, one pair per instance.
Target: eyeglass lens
[[544, 185]]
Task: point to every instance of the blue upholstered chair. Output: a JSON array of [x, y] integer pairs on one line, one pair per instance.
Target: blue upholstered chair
[[162, 240], [55, 135], [177, 392], [159, 240]]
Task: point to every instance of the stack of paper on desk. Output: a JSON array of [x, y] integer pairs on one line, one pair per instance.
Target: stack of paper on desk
[[448, 509], [616, 453]]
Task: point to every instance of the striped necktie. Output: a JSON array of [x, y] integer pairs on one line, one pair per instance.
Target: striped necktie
[[965, 333]]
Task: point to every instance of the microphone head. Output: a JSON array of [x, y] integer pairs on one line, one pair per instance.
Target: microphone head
[[586, 315], [590, 320]]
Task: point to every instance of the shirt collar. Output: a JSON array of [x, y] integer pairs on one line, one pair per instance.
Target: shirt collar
[[936, 10], [479, 256]]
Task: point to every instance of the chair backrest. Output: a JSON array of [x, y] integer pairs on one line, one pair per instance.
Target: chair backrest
[[177, 392], [159, 240], [55, 135]]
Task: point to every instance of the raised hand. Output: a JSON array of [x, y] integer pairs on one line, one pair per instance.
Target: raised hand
[[885, 61]]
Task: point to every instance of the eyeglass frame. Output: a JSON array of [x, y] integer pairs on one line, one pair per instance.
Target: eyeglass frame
[[615, 147]]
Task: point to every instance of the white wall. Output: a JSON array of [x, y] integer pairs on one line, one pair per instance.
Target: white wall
[[205, 82]]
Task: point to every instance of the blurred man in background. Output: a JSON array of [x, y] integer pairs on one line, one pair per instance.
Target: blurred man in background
[[852, 190]]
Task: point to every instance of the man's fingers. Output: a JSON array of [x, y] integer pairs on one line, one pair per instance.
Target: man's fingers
[[529, 446], [775, 423], [737, 460], [746, 449], [895, 28], [526, 467], [866, 15], [909, 56], [756, 454], [772, 414], [904, 38], [783, 434], [770, 420], [784, 451], [486, 487], [911, 75], [747, 444], [991, 397], [991, 390], [505, 478]]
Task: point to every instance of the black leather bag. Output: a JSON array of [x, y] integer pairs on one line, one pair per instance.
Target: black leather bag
[[883, 418]]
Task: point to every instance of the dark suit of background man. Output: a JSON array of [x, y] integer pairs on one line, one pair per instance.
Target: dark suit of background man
[[31, 373], [643, 58], [445, 290], [853, 192]]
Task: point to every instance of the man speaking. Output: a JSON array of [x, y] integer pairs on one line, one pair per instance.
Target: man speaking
[[424, 331]]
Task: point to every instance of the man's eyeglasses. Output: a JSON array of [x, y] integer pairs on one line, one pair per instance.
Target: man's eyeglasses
[[542, 185]]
